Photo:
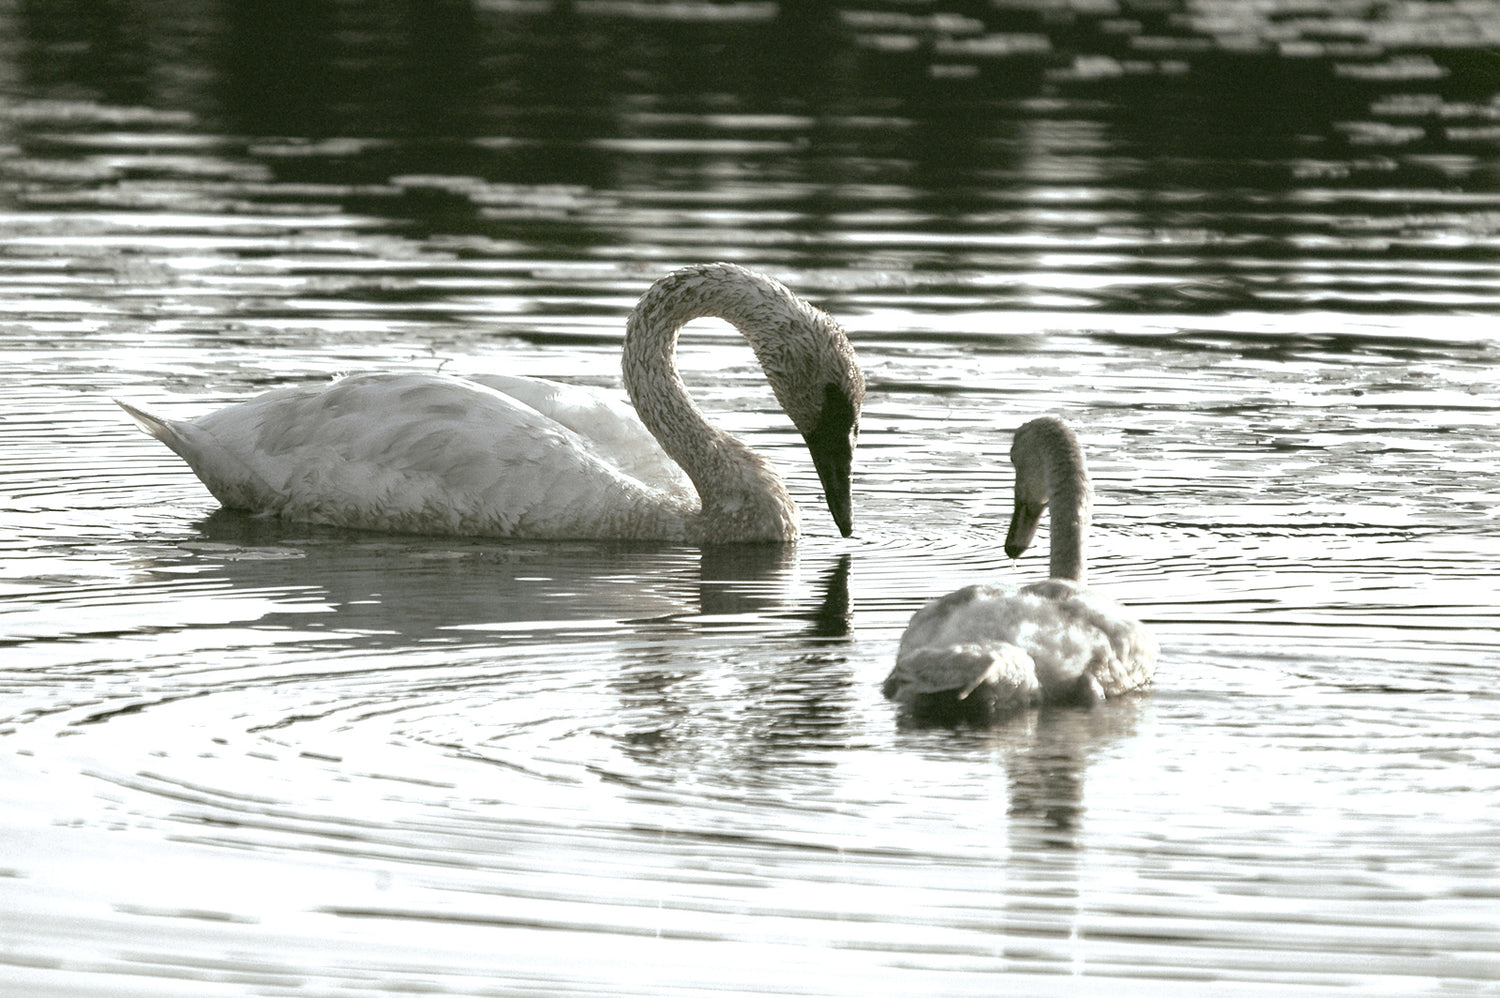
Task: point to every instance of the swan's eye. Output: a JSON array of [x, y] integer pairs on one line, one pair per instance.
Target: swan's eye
[[838, 422]]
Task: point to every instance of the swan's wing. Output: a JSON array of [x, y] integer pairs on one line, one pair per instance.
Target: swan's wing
[[416, 453], [604, 420]]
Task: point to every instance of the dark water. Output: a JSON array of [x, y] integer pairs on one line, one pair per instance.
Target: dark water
[[1250, 251]]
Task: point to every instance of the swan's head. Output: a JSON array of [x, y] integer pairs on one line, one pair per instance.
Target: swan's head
[[804, 352], [1049, 464], [1030, 504], [817, 380]]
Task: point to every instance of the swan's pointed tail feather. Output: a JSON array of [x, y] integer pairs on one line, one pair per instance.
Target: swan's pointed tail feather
[[152, 424], [170, 433], [232, 481]]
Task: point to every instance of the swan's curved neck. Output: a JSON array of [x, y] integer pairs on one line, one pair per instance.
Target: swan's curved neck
[[742, 497], [1070, 505]]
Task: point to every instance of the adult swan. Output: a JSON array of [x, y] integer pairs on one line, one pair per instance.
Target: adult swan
[[986, 650], [522, 457]]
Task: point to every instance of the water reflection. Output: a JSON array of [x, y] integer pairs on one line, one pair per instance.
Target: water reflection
[[376, 590], [1047, 764], [1139, 160]]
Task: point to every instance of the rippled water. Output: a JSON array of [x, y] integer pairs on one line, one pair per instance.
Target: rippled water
[[1249, 250]]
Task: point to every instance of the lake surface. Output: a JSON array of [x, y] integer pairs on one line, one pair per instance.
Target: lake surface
[[1252, 252]]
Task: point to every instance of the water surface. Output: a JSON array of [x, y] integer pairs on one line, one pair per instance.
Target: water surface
[[1250, 253]]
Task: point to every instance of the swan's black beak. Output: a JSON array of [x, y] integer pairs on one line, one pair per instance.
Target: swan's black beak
[[831, 444], [1022, 528]]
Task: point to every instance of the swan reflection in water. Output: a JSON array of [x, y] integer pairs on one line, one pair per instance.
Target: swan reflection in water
[[362, 589], [499, 456], [984, 652]]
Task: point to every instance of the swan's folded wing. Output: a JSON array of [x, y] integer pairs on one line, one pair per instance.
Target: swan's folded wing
[[426, 454], [604, 421]]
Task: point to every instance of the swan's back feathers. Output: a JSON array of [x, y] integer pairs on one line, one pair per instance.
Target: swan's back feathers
[[1123, 653], [416, 454]]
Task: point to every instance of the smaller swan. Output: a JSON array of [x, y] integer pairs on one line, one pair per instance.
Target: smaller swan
[[988, 650], [503, 456]]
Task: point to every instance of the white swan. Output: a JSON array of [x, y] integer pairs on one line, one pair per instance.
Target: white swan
[[521, 457], [987, 650]]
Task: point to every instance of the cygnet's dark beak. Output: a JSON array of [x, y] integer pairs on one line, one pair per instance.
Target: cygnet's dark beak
[[1022, 528], [831, 444]]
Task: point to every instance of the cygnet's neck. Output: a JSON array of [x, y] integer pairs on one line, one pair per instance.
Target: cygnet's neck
[[743, 499], [1070, 505], [1070, 523]]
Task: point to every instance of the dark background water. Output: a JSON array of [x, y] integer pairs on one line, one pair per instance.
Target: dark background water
[[1216, 150], [1250, 250]]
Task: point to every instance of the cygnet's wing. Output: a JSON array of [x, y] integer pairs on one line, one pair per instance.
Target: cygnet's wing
[[1093, 634], [960, 670]]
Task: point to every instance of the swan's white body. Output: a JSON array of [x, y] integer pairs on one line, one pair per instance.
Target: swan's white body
[[427, 453], [987, 650], [507, 456]]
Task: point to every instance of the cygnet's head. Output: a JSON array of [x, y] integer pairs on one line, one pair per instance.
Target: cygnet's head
[[1047, 459]]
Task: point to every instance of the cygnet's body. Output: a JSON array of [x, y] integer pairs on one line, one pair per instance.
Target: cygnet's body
[[988, 650], [507, 456]]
